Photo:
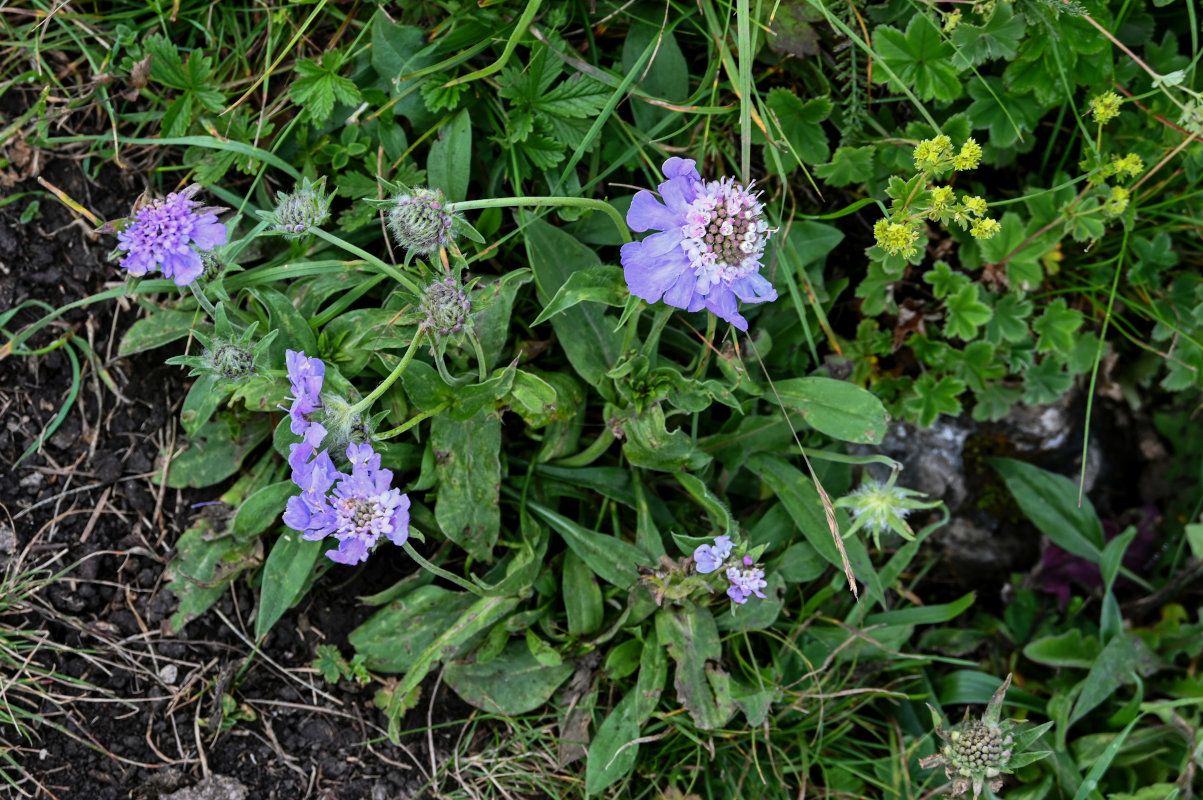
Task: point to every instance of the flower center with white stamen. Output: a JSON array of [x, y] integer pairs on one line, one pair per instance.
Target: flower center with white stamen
[[725, 233], [362, 516]]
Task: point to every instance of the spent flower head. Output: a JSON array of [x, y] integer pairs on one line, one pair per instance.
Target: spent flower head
[[977, 753], [305, 208], [169, 233], [707, 253], [421, 221], [1105, 107]]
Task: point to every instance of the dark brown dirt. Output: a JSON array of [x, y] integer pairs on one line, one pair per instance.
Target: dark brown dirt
[[86, 504]]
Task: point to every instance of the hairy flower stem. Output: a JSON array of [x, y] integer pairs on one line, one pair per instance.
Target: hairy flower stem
[[653, 336], [591, 453], [414, 420], [579, 202], [388, 269], [707, 346], [442, 573], [366, 403], [199, 294], [482, 368]]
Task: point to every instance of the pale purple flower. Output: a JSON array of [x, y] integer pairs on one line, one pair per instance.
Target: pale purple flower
[[362, 508], [363, 505], [745, 582], [167, 234], [306, 376], [708, 249], [709, 558]]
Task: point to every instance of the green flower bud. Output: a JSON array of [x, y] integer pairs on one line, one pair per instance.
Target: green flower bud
[[233, 362], [421, 221], [447, 306], [307, 207]]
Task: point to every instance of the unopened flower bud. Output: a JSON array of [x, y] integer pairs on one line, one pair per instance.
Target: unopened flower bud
[[421, 221], [446, 305], [307, 207], [233, 362]]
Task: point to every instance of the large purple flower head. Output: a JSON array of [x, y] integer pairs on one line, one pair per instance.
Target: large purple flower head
[[708, 249], [167, 234]]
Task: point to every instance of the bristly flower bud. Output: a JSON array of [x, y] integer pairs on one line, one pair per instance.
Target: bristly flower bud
[[233, 362], [881, 507], [446, 305], [227, 354], [421, 221], [307, 207]]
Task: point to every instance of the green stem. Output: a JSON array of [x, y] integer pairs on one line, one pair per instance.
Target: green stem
[[442, 573], [653, 336], [412, 421], [580, 202], [199, 294], [365, 403], [482, 368], [388, 269], [707, 346], [591, 453]]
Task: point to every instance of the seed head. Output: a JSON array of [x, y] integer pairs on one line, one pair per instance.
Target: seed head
[[447, 306], [421, 221]]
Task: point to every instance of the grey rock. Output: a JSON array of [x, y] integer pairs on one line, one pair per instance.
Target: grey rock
[[214, 787]]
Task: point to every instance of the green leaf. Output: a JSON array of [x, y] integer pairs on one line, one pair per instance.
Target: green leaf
[[468, 466], [585, 331], [1006, 115], [758, 614], [261, 510], [1124, 657], [1046, 382], [216, 451], [285, 574], [582, 597], [849, 165], [966, 313], [166, 66], [797, 492], [934, 397], [839, 409], [923, 615], [319, 85], [1056, 327], [977, 366], [994, 402], [512, 683], [692, 639], [998, 38], [944, 281], [611, 559], [801, 124], [801, 563], [202, 400], [162, 327], [920, 58], [600, 284], [577, 97], [666, 78], [450, 160], [1050, 501], [720, 515], [612, 752], [395, 637], [648, 443], [1009, 320]]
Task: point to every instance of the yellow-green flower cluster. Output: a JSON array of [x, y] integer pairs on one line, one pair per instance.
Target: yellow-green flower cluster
[[942, 198], [1128, 166], [1118, 202], [1105, 107], [896, 238], [984, 228], [936, 155], [951, 20]]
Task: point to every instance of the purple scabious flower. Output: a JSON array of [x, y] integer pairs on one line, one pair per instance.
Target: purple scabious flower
[[363, 505], [167, 234], [306, 376], [746, 582], [708, 249], [710, 558], [362, 508]]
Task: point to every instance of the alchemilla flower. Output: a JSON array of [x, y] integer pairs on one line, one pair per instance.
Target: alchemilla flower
[[169, 234], [707, 252], [420, 221], [363, 506]]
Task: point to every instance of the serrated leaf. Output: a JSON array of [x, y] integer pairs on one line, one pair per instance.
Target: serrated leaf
[[849, 165], [934, 397], [577, 97], [999, 37], [319, 85], [920, 58], [965, 313], [1056, 327]]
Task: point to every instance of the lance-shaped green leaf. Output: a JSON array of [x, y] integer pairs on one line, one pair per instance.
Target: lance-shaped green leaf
[[600, 284], [839, 409], [468, 466], [515, 682], [691, 636], [288, 569], [611, 558]]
